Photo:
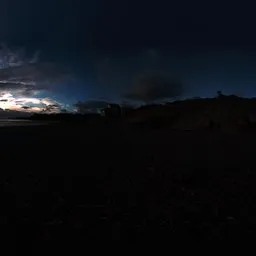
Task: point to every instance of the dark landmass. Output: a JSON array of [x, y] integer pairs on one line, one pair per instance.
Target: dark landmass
[[224, 113], [137, 177]]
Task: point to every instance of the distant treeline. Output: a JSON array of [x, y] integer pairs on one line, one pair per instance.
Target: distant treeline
[[63, 117], [112, 113], [222, 113]]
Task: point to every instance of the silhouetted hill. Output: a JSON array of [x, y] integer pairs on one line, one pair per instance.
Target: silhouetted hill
[[4, 114], [223, 113], [64, 117]]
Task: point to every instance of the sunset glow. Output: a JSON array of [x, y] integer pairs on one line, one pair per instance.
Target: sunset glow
[[26, 104], [23, 82]]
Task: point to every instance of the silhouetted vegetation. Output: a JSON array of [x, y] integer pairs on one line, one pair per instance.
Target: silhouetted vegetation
[[228, 113], [65, 117]]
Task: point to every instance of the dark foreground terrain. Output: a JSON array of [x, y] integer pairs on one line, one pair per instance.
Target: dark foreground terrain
[[72, 185]]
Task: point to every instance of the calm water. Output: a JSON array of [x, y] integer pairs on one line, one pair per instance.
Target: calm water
[[15, 122]]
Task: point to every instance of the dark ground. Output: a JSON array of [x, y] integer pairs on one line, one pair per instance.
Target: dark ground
[[77, 184]]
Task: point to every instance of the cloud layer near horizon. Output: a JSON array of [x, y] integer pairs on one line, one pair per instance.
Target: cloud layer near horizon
[[27, 104], [22, 80]]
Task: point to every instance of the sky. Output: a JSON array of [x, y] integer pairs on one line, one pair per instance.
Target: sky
[[58, 52]]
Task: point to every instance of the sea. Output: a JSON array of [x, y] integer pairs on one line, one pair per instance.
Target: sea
[[19, 122]]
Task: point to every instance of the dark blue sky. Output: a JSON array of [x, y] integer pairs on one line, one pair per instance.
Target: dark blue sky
[[210, 46]]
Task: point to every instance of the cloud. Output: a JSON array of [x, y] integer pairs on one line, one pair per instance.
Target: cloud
[[22, 80], [152, 53], [29, 104], [16, 57], [90, 105], [38, 76], [28, 74], [20, 89], [149, 88]]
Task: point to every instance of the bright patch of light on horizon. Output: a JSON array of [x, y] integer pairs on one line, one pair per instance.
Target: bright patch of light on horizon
[[24, 80], [25, 104]]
